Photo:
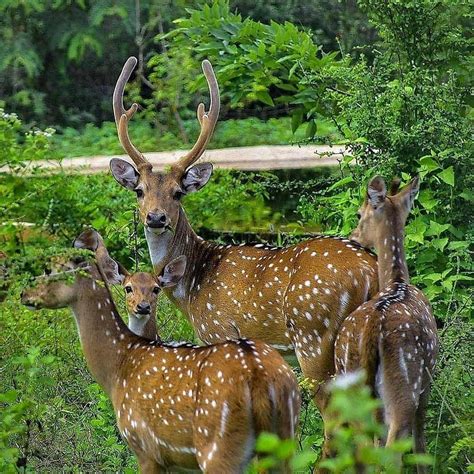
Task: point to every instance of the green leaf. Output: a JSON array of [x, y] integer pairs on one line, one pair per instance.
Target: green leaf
[[440, 244], [301, 461], [416, 230], [447, 176], [427, 200], [311, 129], [264, 96], [267, 443], [436, 228], [428, 163], [8, 397], [296, 119], [341, 182]]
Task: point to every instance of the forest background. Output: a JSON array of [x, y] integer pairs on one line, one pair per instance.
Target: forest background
[[390, 81]]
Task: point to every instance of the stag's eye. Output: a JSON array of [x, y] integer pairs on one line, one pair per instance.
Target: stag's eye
[[156, 290], [178, 194], [128, 289], [139, 193]]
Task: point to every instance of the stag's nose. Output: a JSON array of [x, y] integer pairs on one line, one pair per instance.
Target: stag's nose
[[143, 308], [156, 220]]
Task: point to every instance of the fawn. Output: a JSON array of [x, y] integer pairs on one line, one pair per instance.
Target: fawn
[[176, 405], [393, 336]]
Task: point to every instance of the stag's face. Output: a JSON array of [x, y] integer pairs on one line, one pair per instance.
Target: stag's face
[[159, 194], [380, 212], [141, 294]]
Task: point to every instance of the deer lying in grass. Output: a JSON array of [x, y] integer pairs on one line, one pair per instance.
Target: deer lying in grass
[[294, 298], [393, 336], [176, 405]]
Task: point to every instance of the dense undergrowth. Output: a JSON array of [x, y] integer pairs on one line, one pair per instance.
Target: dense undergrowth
[[55, 413], [405, 112]]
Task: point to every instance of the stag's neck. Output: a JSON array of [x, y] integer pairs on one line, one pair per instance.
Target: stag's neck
[[104, 336], [144, 327], [392, 264], [166, 247]]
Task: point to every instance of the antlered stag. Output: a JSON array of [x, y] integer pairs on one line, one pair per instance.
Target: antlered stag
[[294, 298]]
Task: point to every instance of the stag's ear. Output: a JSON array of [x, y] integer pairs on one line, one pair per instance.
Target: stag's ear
[[409, 192], [173, 272], [196, 177], [125, 173], [90, 239], [376, 192]]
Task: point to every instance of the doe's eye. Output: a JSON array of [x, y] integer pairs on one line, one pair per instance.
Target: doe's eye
[[178, 195], [128, 289], [156, 290], [139, 192], [359, 215]]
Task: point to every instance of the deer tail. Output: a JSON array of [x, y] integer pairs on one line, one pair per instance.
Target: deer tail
[[370, 353]]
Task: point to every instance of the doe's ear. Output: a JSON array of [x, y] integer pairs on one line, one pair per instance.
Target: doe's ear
[[90, 239], [124, 173], [376, 191], [173, 272], [395, 186], [109, 267], [196, 177], [409, 192]]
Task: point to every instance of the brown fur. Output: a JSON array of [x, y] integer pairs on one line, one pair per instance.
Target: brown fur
[[293, 298], [393, 336], [177, 405]]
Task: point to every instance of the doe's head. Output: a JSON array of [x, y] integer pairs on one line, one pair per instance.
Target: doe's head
[[159, 194], [62, 283], [381, 211]]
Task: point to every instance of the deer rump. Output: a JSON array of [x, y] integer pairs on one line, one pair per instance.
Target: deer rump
[[396, 346]]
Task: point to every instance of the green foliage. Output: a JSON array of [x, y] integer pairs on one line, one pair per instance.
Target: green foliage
[[256, 62], [353, 427], [401, 109], [93, 140], [59, 58], [22, 410]]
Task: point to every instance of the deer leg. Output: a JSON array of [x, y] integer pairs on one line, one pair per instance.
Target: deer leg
[[419, 429], [225, 444], [148, 465]]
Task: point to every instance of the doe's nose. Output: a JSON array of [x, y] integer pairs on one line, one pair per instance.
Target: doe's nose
[[156, 219], [143, 308]]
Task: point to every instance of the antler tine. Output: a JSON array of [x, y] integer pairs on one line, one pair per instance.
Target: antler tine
[[207, 120], [122, 115]]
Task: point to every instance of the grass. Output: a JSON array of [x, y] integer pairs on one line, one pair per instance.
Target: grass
[[93, 140]]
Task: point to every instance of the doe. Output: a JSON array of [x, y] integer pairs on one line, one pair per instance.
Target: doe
[[176, 405], [393, 336]]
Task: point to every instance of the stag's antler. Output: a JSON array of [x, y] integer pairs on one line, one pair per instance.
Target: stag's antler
[[122, 116], [207, 120]]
